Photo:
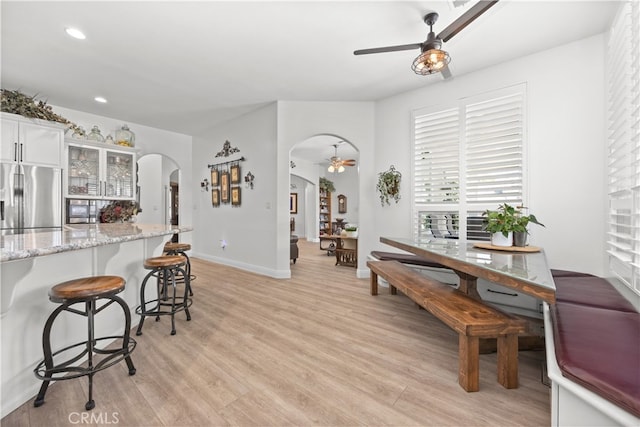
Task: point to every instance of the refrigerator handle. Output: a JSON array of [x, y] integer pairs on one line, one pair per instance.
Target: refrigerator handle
[[15, 151], [21, 144], [1, 210]]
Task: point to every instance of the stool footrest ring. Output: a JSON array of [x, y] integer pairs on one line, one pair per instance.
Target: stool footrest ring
[[64, 370]]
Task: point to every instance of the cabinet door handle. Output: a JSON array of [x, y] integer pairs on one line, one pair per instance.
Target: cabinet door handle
[[21, 151], [503, 293], [15, 151]]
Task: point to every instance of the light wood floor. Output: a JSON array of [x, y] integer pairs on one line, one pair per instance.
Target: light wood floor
[[313, 350]]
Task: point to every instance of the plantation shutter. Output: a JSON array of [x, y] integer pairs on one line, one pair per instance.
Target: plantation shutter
[[494, 134], [623, 149], [437, 159], [467, 158]]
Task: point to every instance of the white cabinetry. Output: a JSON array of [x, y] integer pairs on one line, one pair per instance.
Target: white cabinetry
[[96, 171], [31, 141]]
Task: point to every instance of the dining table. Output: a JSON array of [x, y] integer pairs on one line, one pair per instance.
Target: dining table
[[522, 269]]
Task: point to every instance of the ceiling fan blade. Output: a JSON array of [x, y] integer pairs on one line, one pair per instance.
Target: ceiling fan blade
[[446, 72], [465, 19], [388, 49], [349, 162]]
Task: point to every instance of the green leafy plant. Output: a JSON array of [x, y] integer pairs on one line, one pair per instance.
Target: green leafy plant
[[351, 228], [522, 221], [389, 185], [326, 185], [500, 221], [508, 219]]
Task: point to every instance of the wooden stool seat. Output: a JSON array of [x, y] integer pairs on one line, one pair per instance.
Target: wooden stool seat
[[168, 261], [176, 247], [86, 288]]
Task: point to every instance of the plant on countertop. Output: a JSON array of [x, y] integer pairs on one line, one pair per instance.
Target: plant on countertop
[[16, 102], [119, 211], [326, 186], [351, 227], [389, 185]]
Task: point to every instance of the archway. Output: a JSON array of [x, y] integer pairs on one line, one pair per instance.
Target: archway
[[158, 177], [309, 161]]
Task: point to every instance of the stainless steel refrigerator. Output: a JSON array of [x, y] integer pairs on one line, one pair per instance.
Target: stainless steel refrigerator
[[30, 198]]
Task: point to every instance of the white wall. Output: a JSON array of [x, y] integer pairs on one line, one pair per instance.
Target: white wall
[[346, 183], [566, 140], [249, 229], [174, 146], [351, 121]]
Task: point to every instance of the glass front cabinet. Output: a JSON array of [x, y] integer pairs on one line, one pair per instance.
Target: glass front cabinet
[[99, 172]]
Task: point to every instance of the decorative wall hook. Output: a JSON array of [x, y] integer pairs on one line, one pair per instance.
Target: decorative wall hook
[[248, 179], [204, 185]]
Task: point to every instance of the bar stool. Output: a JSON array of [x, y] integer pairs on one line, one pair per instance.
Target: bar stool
[[176, 248], [164, 269], [88, 290]]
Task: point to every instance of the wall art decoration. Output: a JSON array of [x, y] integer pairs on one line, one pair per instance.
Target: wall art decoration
[[235, 196], [227, 149], [224, 187], [215, 178], [293, 203], [235, 174], [215, 197]]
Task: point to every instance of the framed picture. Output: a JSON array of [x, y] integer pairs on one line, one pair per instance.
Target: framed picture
[[215, 178], [235, 174], [293, 203], [215, 197], [235, 196], [224, 187]]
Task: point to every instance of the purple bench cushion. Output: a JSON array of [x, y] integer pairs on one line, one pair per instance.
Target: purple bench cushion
[[591, 291], [405, 259], [566, 273], [600, 350]]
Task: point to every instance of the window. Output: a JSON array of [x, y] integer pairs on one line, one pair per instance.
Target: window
[[468, 157], [623, 146]]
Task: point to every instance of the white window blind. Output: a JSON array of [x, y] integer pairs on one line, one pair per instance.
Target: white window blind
[[468, 157], [623, 149]]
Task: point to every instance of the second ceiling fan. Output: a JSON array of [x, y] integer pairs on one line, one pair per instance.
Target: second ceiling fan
[[432, 58], [337, 164]]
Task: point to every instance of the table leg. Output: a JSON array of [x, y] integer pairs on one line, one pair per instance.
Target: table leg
[[374, 283], [468, 285]]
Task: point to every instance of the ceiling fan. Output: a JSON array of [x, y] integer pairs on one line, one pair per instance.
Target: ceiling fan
[[432, 58], [337, 164]]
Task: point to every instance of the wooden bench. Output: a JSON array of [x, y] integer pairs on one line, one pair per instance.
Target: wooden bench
[[469, 317]]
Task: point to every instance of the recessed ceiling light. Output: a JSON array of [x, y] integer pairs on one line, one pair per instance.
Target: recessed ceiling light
[[100, 99], [75, 33]]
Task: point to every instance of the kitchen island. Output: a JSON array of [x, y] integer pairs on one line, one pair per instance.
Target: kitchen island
[[31, 263]]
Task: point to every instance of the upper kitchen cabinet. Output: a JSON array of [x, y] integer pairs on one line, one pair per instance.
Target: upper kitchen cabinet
[[31, 141], [96, 171]]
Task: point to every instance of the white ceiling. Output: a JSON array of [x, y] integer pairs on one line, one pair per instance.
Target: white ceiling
[[185, 66]]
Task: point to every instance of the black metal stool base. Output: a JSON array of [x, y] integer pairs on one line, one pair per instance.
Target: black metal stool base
[[165, 304], [47, 371]]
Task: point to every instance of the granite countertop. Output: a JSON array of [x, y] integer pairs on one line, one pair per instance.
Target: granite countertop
[[79, 236]]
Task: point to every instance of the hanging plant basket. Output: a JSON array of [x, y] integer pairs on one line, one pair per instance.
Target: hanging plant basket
[[389, 185]]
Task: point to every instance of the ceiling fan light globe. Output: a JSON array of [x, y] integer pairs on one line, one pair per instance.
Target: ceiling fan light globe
[[341, 169], [430, 62], [331, 168]]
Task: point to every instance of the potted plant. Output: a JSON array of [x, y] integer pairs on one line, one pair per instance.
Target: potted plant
[[351, 230], [389, 185], [500, 223], [520, 230], [326, 186]]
